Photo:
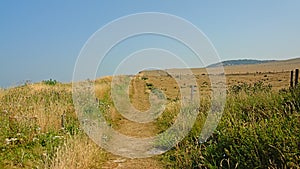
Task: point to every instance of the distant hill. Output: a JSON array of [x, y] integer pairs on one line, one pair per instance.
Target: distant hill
[[240, 62]]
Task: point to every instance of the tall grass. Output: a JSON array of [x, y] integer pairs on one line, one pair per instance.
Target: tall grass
[[46, 105], [76, 153], [260, 128], [32, 134]]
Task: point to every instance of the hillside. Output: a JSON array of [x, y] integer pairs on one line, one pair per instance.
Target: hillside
[[239, 62], [276, 73]]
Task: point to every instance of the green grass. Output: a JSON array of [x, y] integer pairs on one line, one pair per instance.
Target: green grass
[[31, 133], [260, 128]]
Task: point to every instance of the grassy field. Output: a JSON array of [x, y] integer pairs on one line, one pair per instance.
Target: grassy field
[[32, 135], [260, 126], [259, 129]]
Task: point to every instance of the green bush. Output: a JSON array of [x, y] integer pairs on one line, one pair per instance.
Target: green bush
[[50, 82], [250, 88], [149, 86]]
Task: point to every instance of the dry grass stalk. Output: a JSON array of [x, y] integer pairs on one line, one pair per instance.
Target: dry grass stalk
[[78, 152]]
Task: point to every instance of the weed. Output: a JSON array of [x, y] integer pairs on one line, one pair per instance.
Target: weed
[[144, 78], [149, 86], [50, 82]]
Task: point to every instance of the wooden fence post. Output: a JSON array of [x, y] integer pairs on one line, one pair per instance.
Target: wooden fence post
[[296, 77], [291, 80]]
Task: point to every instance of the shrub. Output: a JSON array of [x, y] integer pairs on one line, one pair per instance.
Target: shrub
[[149, 86], [250, 88], [144, 78], [50, 82]]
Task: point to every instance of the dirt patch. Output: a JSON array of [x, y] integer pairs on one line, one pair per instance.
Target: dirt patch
[[124, 163]]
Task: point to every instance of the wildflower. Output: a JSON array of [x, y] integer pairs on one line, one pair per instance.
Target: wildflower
[[57, 137], [8, 141], [38, 129], [44, 154], [35, 139], [13, 139]]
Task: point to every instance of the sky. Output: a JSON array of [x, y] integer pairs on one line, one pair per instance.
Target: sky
[[40, 40]]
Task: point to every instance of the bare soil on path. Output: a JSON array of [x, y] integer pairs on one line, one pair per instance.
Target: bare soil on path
[[139, 99]]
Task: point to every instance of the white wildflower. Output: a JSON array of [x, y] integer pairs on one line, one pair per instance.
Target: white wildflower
[[57, 137], [13, 139], [8, 141]]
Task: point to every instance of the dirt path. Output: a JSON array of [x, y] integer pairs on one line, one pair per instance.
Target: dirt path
[[124, 163], [139, 99], [138, 130]]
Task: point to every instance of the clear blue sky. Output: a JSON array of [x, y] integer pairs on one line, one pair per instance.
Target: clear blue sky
[[42, 39]]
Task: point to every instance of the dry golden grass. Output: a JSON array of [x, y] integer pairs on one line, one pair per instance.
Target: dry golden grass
[[42, 103], [1, 92], [102, 86], [276, 74], [78, 152], [42, 86]]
